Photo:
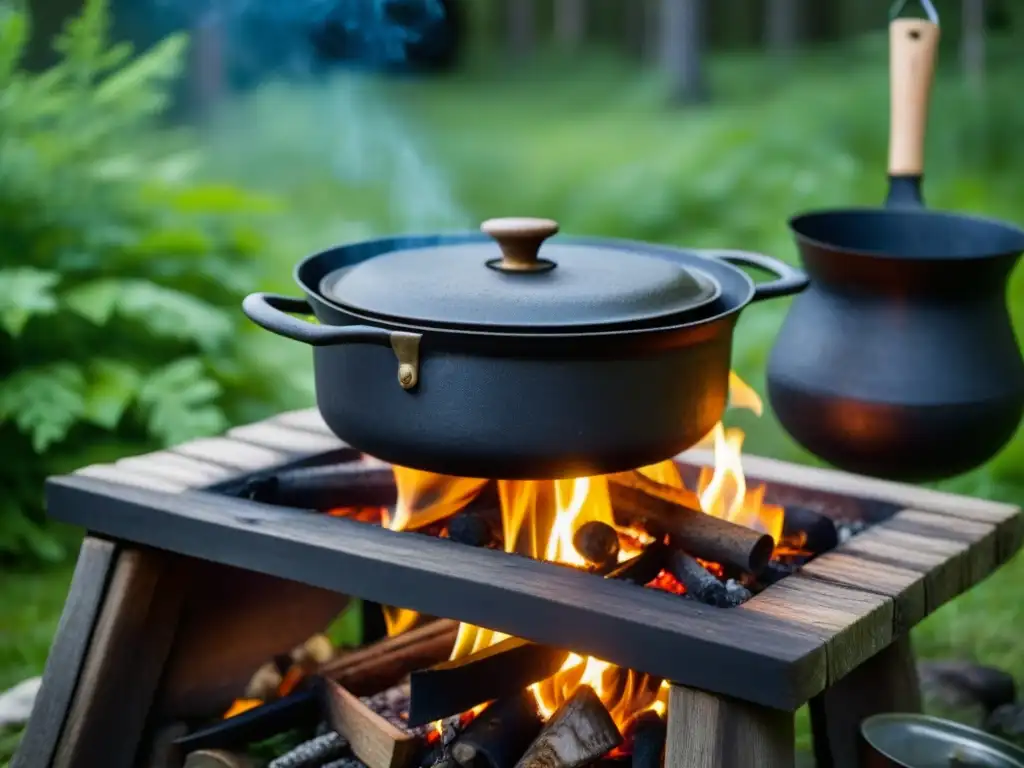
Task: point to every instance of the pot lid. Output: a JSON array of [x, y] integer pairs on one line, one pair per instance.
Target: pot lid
[[513, 284]]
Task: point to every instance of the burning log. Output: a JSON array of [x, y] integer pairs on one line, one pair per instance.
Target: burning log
[[598, 544], [643, 568], [374, 740], [649, 733], [215, 758], [705, 536], [313, 753], [817, 532], [382, 664], [348, 484], [499, 735], [700, 583], [500, 670], [579, 732]]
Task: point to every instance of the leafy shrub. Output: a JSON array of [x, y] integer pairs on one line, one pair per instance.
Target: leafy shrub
[[120, 274]]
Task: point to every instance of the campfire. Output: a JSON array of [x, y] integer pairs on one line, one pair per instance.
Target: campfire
[[498, 701]]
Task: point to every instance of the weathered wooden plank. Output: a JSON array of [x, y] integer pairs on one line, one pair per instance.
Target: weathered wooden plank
[[295, 442], [948, 566], [709, 731], [309, 420], [132, 477], [67, 654], [130, 642], [904, 586], [887, 682], [234, 454], [173, 466], [756, 656], [853, 624]]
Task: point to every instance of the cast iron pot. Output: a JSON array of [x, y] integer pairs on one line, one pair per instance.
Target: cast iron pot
[[570, 394], [901, 361]]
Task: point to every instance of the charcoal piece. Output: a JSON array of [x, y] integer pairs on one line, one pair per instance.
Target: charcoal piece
[[499, 735], [963, 683], [500, 670], [819, 532], [473, 529], [346, 762], [300, 709], [579, 732], [313, 753], [642, 568], [700, 583], [649, 732], [348, 484], [775, 572], [598, 544]]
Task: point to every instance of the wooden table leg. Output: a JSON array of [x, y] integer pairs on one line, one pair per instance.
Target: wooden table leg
[[887, 682], [67, 654], [128, 649], [706, 730]]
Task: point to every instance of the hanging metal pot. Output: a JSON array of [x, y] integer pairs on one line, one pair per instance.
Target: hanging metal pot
[[480, 357], [901, 361]]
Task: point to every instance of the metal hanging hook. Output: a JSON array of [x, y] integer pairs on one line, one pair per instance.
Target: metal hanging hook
[[929, 9]]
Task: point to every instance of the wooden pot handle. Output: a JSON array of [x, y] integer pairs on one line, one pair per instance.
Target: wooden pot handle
[[913, 45], [520, 240]]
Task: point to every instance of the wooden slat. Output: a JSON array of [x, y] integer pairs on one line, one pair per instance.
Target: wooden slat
[[67, 654], [173, 466], [295, 442], [762, 658], [759, 468], [904, 586], [130, 642], [132, 477], [309, 420], [853, 624], [244, 457]]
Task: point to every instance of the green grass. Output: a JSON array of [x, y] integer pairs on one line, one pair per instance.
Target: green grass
[[591, 143]]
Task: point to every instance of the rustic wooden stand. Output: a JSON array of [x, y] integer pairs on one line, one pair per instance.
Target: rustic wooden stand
[[179, 595]]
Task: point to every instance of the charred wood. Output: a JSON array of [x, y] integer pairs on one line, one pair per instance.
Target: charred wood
[[313, 753], [500, 670], [642, 568], [348, 484], [298, 710], [499, 735], [598, 544], [474, 529], [700, 583], [705, 536], [579, 732], [216, 758], [649, 732], [817, 532], [373, 739], [384, 663]]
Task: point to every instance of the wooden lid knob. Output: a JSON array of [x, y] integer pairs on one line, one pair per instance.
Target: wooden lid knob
[[520, 240]]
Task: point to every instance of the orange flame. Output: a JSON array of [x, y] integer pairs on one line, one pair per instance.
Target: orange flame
[[539, 519]]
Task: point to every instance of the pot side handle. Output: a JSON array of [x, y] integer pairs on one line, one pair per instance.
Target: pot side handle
[[270, 311], [789, 279]]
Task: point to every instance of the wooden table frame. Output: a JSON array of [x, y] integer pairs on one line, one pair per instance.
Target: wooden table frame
[[158, 610]]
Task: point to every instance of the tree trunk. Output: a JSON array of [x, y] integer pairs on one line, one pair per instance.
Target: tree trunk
[[972, 43], [522, 26], [571, 22], [682, 49], [782, 26]]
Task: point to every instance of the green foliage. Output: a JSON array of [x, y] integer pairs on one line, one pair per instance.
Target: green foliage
[[121, 275]]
